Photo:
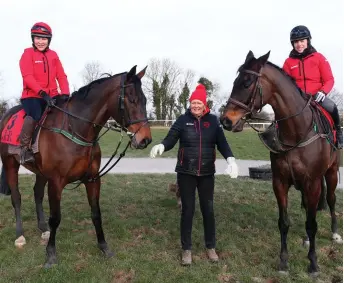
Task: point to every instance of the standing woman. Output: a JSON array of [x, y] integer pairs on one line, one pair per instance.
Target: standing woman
[[312, 73], [41, 69], [198, 133]]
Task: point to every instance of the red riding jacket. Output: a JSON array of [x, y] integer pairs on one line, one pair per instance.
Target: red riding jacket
[[40, 70], [313, 70]]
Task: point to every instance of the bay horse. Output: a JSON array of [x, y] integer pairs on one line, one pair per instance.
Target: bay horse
[[300, 152], [69, 149]]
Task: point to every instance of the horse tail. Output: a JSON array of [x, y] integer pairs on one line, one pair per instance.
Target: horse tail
[[4, 187], [322, 201]]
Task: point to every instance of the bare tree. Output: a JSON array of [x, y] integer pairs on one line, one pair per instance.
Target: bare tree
[[92, 71], [158, 69], [163, 84], [3, 107], [189, 77]]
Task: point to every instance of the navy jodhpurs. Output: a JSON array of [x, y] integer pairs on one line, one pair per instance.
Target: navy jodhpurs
[[34, 107]]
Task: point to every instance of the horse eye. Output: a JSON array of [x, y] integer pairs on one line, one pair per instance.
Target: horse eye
[[247, 82]]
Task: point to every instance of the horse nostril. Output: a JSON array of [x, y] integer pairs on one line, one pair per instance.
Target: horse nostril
[[145, 142], [148, 141], [227, 123], [222, 120]]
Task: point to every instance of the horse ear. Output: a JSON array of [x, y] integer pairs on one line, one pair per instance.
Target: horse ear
[[263, 59], [131, 73], [249, 57], [142, 73]]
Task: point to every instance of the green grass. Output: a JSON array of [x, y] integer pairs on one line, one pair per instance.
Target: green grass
[[141, 224], [245, 145]]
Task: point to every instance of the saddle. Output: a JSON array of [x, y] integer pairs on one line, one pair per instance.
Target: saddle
[[323, 123]]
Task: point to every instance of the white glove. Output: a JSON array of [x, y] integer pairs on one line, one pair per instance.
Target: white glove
[[320, 96], [232, 169], [159, 148]]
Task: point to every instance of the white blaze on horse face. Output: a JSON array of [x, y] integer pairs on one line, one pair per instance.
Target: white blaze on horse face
[[197, 107], [300, 45]]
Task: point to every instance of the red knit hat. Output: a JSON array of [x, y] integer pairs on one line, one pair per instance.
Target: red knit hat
[[200, 93]]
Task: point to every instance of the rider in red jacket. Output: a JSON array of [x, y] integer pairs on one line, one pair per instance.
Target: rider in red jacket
[[40, 68], [312, 73]]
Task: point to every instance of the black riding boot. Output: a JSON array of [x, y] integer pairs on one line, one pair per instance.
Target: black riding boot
[[26, 155], [331, 108]]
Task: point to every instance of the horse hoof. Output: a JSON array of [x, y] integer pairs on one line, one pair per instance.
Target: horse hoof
[[108, 253], [313, 270], [20, 242], [314, 274], [45, 235], [337, 238], [50, 262], [48, 265]]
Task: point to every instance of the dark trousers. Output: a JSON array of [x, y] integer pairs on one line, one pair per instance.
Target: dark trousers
[[187, 187], [34, 107], [331, 107]]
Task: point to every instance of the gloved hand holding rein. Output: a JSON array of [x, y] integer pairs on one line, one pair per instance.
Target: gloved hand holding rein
[[50, 101]]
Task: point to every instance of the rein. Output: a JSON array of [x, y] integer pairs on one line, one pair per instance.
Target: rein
[[117, 127], [250, 110]]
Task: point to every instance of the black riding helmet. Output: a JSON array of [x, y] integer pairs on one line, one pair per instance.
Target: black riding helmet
[[300, 32]]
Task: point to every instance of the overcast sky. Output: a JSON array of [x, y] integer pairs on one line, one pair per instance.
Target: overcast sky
[[210, 37]]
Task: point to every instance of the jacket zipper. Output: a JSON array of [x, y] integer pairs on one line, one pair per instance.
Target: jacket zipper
[[45, 70], [304, 75], [200, 148], [48, 70]]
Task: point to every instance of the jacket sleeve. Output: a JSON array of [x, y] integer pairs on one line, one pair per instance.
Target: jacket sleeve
[[26, 69], [326, 74], [61, 77], [286, 67], [221, 142], [174, 134]]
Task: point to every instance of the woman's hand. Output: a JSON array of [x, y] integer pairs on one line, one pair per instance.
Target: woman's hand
[[157, 149], [232, 169]]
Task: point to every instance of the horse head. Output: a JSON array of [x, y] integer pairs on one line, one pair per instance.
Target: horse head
[[247, 93]]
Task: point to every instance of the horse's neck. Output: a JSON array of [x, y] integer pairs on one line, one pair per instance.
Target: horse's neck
[[287, 101], [94, 108]]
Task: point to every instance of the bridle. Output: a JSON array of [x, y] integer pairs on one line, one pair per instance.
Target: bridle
[[123, 127], [122, 108], [258, 90]]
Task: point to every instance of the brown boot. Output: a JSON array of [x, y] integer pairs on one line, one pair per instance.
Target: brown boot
[[186, 257], [212, 255], [26, 155]]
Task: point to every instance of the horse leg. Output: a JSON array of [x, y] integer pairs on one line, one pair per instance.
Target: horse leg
[[93, 191], [11, 171], [54, 194], [39, 195], [331, 181], [281, 193], [312, 195]]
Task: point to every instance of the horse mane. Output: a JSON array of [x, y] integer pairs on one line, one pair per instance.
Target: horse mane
[[285, 74], [292, 80], [83, 91]]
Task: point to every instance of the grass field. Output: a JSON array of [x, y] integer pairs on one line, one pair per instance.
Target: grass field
[[245, 145], [141, 224]]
